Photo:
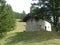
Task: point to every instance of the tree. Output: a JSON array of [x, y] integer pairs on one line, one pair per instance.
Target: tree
[[23, 14], [19, 15], [2, 4], [55, 8], [48, 8], [10, 20], [40, 10], [7, 21]]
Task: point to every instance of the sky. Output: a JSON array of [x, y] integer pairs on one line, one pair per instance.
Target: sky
[[20, 5]]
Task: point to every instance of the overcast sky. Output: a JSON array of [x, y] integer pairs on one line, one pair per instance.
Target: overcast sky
[[20, 5]]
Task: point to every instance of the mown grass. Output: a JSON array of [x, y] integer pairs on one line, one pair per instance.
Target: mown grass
[[20, 37]]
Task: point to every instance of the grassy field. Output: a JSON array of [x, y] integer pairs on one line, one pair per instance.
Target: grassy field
[[20, 37]]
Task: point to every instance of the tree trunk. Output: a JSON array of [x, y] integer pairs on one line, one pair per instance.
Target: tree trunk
[[55, 23]]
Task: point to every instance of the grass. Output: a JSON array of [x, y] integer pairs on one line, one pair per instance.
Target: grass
[[19, 37]]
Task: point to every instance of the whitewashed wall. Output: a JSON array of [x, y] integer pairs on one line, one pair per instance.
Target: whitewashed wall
[[33, 25], [48, 26], [59, 19]]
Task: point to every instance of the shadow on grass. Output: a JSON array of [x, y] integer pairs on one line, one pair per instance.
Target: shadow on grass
[[28, 37]]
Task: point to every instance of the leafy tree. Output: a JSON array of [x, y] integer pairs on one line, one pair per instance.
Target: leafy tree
[[17, 15], [2, 4], [40, 10], [47, 8], [55, 9], [20, 15], [7, 21], [23, 14]]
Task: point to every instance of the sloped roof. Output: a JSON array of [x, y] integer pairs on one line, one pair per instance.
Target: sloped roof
[[27, 17]]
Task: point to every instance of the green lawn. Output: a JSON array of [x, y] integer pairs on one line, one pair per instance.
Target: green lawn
[[19, 37]]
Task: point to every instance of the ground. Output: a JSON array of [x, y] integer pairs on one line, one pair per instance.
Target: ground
[[20, 37]]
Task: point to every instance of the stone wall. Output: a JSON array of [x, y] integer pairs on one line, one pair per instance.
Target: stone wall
[[31, 25]]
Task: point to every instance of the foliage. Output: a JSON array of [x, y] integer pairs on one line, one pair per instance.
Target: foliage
[[20, 15], [7, 21], [17, 15], [47, 9], [40, 11]]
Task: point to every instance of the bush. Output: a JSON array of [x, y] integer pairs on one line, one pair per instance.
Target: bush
[[7, 20]]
